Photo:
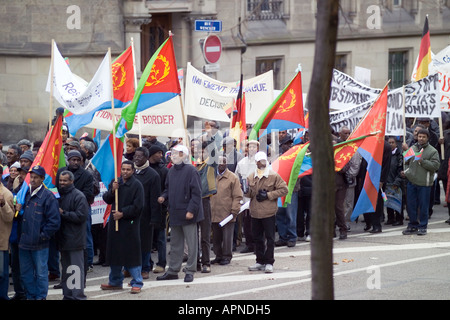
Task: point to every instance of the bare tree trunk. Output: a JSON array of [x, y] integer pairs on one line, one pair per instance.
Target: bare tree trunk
[[322, 215]]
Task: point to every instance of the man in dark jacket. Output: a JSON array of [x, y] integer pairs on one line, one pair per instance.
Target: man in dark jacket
[[159, 231], [71, 237], [151, 215], [123, 248], [183, 192], [40, 221]]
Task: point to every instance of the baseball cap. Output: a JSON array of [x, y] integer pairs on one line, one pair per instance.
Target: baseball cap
[[38, 170], [181, 148], [260, 156]]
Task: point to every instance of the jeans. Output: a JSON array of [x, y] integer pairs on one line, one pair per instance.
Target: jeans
[[116, 276], [89, 240], [34, 272], [287, 220], [4, 275], [417, 198]]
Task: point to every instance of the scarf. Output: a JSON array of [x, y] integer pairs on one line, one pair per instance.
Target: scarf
[[144, 166]]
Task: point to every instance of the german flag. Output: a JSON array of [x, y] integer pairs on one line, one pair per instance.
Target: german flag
[[424, 53]]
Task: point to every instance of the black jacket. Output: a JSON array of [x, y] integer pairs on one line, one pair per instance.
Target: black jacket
[[123, 247], [84, 181], [72, 233], [184, 194], [151, 213]]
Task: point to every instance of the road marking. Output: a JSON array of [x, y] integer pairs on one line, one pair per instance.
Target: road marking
[[364, 269]]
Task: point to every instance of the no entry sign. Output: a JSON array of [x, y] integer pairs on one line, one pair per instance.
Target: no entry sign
[[212, 48]]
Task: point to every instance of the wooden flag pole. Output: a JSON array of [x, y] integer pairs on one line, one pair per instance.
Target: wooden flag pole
[[135, 86], [114, 138], [182, 112], [52, 76]]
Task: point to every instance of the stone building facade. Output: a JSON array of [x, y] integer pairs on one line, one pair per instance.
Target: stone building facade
[[257, 35]]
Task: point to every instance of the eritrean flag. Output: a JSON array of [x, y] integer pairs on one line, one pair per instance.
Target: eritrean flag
[[424, 54], [286, 112], [372, 151], [159, 83], [408, 154], [238, 127], [291, 165], [51, 157]]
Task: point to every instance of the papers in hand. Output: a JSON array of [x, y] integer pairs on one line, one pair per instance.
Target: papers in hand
[[245, 206]]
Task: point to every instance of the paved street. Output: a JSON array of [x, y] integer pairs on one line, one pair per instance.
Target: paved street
[[382, 266]]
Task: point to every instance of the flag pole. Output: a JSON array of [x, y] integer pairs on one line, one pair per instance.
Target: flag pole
[[114, 138], [52, 71], [135, 85], [182, 112]]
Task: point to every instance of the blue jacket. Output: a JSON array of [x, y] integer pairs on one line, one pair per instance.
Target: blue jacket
[[40, 220]]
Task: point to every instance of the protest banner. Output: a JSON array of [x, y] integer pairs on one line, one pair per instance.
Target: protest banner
[[208, 98], [164, 119]]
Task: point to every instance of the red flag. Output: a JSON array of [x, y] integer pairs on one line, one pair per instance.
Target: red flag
[[123, 78], [238, 129]]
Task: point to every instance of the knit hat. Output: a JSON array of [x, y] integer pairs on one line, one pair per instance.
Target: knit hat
[[27, 155], [74, 153], [154, 149]]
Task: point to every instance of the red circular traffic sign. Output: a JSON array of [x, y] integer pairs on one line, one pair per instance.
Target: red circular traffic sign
[[212, 48]]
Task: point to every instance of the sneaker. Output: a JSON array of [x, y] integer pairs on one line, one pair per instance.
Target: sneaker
[[90, 268], [421, 232], [268, 268], [308, 238], [206, 269], [159, 269], [256, 267], [409, 231]]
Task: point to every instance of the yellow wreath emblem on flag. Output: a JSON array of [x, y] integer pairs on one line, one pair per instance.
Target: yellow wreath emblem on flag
[[115, 77], [282, 108], [155, 76]]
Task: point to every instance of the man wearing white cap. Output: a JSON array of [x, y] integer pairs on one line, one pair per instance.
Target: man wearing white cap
[[265, 186], [183, 192], [245, 168]]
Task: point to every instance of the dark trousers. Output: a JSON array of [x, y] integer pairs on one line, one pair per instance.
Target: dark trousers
[[263, 230], [223, 240], [247, 221], [205, 233]]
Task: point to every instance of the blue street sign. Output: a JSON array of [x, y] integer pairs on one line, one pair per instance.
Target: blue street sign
[[208, 25]]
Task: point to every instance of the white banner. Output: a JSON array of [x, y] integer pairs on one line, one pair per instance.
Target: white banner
[[441, 65], [164, 119], [98, 207], [208, 98], [72, 94], [350, 117], [421, 97]]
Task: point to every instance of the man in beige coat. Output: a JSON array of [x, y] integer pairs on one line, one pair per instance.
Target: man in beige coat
[[6, 218], [226, 201], [265, 187]]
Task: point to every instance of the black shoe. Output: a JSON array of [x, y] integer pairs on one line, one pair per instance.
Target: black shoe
[[389, 222], [375, 230], [397, 223], [99, 263], [280, 243], [410, 230], [224, 262], [167, 276], [367, 227], [188, 277], [18, 296], [57, 286], [216, 261], [342, 236]]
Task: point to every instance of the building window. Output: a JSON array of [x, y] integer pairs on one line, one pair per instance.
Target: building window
[[398, 63], [266, 64], [340, 63], [264, 9], [153, 35]]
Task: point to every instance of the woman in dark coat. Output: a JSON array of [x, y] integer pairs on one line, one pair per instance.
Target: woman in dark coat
[[123, 248]]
